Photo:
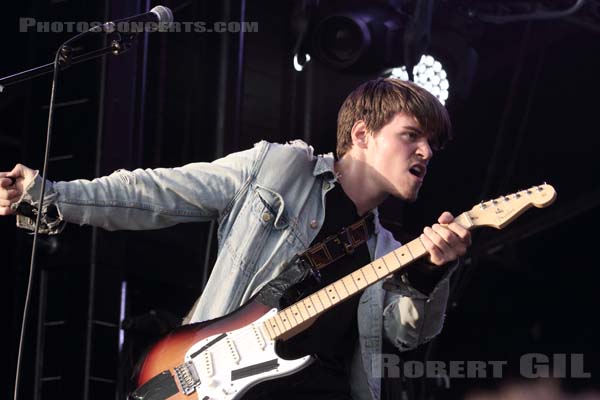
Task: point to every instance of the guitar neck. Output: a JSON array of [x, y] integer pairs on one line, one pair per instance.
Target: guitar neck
[[317, 303]]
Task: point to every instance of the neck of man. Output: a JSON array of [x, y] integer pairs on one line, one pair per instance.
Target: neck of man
[[358, 186]]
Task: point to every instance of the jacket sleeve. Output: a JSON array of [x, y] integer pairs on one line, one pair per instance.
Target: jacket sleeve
[[143, 198], [411, 318]]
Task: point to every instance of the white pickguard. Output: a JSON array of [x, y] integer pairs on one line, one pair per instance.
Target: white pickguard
[[241, 348]]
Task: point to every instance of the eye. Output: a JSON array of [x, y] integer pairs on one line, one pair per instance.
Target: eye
[[411, 135]]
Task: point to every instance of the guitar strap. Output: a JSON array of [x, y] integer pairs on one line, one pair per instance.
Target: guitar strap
[[292, 283], [336, 246]]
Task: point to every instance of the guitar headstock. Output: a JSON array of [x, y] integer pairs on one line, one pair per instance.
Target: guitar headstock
[[501, 211]]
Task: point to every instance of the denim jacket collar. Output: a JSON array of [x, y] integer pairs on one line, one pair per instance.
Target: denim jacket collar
[[325, 164]]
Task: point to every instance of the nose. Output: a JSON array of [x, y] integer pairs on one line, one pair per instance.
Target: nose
[[424, 150]]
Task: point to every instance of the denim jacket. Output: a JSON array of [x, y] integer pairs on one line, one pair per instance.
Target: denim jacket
[[270, 204]]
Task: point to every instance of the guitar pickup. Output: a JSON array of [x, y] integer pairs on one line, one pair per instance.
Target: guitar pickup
[[235, 355]]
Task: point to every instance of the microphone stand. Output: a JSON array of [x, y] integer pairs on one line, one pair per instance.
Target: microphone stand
[[117, 46], [62, 60]]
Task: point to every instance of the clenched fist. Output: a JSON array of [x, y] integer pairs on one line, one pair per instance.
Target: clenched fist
[[12, 185]]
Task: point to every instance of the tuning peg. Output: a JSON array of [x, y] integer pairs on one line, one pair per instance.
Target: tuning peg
[[482, 205]]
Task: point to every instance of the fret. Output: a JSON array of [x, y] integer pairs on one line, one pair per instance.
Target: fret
[[464, 220], [267, 326], [290, 317], [275, 325], [416, 248], [264, 331], [380, 268], [310, 308], [282, 322], [295, 310], [349, 284], [403, 254], [317, 304], [359, 279], [324, 298], [303, 311], [340, 289], [332, 294], [391, 262], [369, 273]]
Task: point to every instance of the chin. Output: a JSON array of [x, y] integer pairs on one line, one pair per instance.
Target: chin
[[409, 197]]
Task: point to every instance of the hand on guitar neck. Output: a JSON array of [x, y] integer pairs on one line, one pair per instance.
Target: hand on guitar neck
[[445, 241]]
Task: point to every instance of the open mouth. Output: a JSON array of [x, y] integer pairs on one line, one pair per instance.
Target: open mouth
[[418, 170]]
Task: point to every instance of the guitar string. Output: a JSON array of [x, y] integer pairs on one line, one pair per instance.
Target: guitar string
[[245, 332]]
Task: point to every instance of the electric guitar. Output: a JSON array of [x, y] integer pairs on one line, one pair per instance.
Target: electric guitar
[[221, 359]]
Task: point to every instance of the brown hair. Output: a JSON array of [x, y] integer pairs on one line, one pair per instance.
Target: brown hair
[[377, 101]]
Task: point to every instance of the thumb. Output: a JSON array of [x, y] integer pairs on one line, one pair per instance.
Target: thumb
[[21, 171], [16, 172], [445, 218]]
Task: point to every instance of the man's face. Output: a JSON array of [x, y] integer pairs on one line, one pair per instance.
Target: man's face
[[399, 154]]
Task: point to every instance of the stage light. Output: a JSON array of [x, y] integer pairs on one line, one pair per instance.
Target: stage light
[[373, 39], [299, 66], [360, 40], [429, 74]]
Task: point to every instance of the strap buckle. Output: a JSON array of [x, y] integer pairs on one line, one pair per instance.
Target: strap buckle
[[347, 240]]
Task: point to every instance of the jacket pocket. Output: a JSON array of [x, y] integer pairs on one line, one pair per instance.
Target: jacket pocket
[[260, 217], [274, 207]]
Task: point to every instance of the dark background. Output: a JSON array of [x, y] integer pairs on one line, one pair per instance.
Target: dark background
[[528, 114]]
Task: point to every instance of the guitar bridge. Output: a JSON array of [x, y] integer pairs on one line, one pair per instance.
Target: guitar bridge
[[188, 377]]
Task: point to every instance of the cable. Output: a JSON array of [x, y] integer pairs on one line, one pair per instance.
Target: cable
[[40, 208], [539, 15]]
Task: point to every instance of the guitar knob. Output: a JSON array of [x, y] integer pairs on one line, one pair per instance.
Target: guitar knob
[[211, 382]]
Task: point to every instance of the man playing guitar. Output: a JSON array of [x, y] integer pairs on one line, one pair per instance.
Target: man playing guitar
[[273, 202]]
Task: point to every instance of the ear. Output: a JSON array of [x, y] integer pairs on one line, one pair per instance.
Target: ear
[[360, 134]]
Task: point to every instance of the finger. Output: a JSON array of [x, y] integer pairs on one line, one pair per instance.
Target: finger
[[446, 218], [435, 254], [455, 235], [17, 170], [457, 246], [437, 239], [444, 252], [460, 231], [9, 194], [5, 203], [445, 233], [6, 211], [7, 181]]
